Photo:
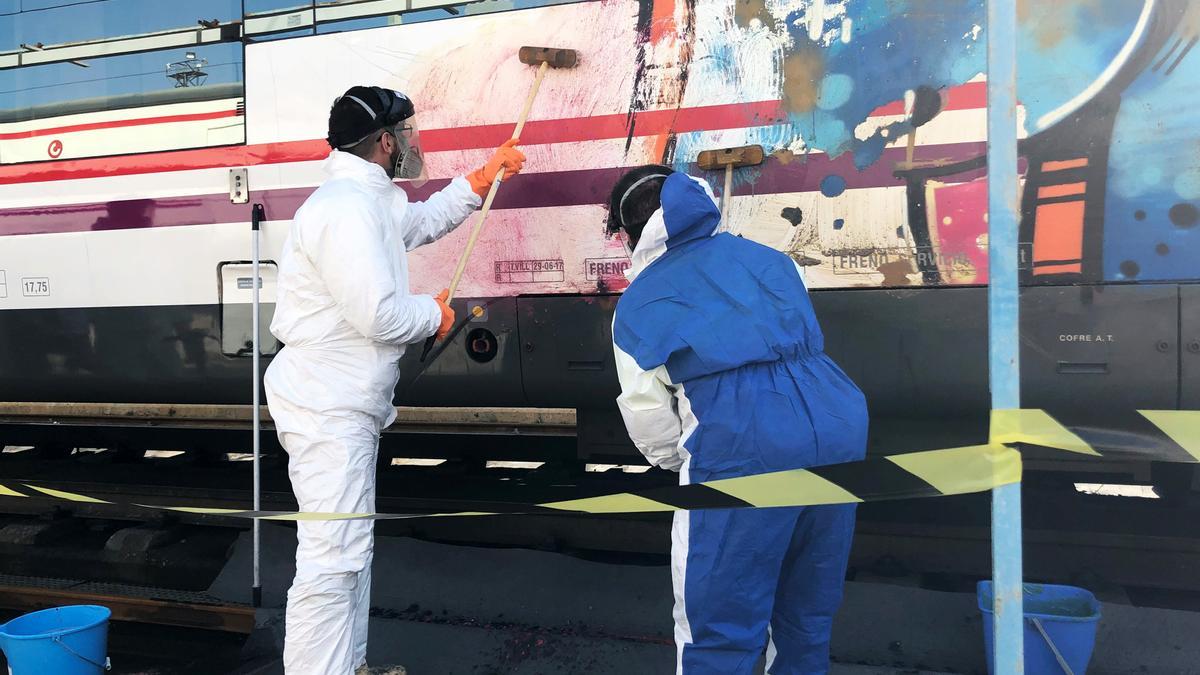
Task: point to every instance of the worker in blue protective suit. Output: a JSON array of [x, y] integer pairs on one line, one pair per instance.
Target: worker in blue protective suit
[[723, 374], [345, 313]]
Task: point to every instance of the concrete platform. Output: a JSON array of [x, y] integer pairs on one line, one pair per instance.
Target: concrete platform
[[452, 609], [433, 649]]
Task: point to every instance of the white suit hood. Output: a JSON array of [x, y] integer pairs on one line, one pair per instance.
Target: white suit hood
[[657, 237]]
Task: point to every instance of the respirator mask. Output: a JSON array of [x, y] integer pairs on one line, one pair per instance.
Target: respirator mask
[[407, 161]]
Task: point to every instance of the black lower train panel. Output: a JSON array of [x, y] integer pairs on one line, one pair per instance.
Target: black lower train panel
[[920, 355]]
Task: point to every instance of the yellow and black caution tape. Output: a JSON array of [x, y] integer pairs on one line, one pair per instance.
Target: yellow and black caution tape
[[1154, 435], [932, 473]]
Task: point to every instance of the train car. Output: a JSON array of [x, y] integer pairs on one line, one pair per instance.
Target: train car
[[124, 209]]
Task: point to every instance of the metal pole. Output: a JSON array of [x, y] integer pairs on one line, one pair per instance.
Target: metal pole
[[1003, 326], [256, 217]]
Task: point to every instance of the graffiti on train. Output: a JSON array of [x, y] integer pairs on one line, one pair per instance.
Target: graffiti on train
[[877, 165], [872, 114]]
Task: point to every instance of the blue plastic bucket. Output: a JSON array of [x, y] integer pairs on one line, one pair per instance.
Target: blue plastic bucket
[[1060, 627], [70, 640]]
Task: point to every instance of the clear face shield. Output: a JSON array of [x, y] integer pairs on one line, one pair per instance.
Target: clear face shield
[[410, 162]]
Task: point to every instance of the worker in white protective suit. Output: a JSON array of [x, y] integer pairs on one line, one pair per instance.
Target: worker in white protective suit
[[345, 314]]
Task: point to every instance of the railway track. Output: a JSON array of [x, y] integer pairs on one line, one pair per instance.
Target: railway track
[[154, 631], [1126, 542], [141, 604], [213, 430], [1138, 558]]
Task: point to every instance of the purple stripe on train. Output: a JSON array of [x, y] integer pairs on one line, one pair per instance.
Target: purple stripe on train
[[536, 190]]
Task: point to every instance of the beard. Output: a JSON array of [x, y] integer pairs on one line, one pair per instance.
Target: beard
[[393, 163]]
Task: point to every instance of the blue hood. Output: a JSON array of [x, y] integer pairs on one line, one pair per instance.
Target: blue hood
[[689, 210], [732, 323]]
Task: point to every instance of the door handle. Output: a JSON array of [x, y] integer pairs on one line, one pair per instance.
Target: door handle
[[1082, 368]]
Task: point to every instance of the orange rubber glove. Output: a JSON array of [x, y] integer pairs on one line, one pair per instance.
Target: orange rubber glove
[[447, 315], [507, 157]]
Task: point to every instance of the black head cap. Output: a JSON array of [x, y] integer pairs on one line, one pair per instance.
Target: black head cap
[[362, 111]]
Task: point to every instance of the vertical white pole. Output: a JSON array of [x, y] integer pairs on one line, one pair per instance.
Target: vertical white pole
[[256, 414]]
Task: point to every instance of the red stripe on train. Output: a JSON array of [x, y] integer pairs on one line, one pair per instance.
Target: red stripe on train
[[537, 132], [600, 127], [115, 124]]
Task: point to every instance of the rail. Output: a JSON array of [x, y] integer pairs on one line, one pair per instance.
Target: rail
[[461, 420], [164, 607]]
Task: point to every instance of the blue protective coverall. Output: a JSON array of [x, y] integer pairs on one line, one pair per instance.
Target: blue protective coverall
[[723, 374]]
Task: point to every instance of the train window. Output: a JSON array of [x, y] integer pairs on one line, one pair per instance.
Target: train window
[[419, 16], [275, 19], [471, 8], [268, 6], [53, 22], [237, 289], [162, 100], [278, 19], [113, 77], [358, 24]]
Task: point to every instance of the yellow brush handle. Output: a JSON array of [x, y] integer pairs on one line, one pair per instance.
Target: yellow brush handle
[[475, 231], [491, 195], [533, 91]]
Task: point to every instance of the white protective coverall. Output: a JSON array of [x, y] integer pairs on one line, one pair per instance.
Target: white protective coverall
[[345, 315]]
